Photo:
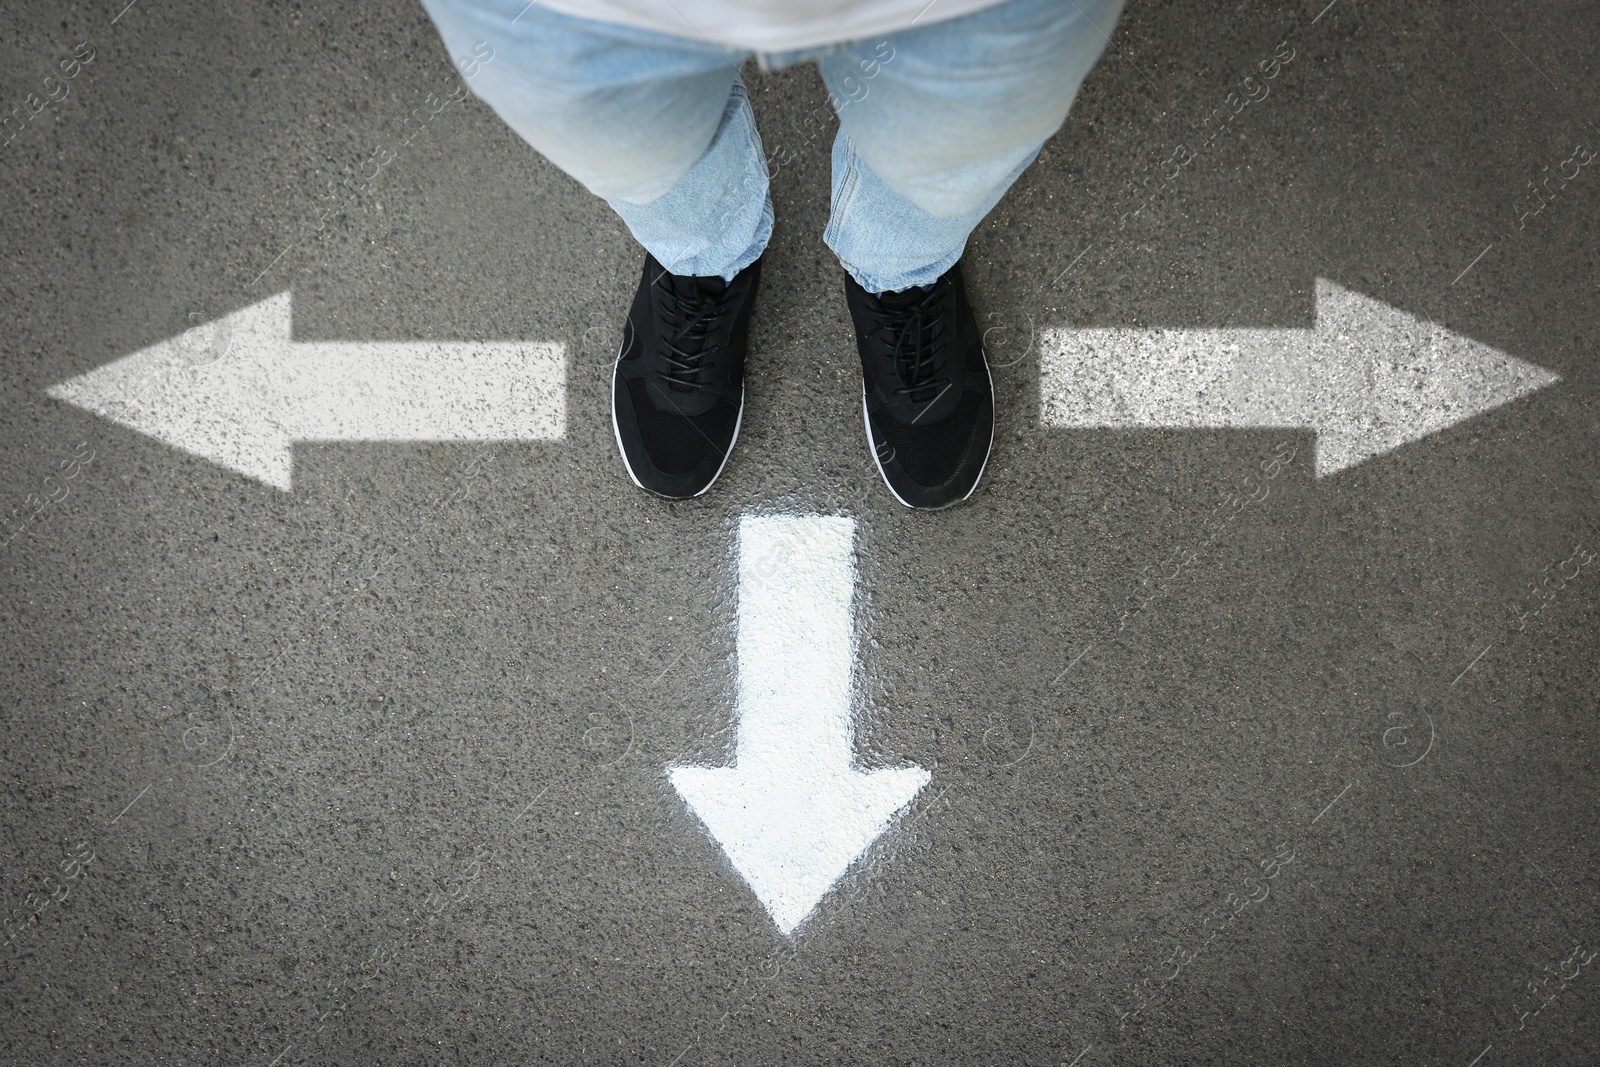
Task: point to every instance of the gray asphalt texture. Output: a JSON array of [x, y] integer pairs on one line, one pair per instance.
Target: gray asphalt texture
[[373, 772]]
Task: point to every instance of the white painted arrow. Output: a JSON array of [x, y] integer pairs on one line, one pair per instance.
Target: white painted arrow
[[243, 404], [792, 814], [1368, 378]]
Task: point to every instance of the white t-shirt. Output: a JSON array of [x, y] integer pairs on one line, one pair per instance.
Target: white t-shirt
[[770, 25]]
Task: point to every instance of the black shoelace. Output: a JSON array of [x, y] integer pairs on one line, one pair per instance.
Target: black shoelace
[[692, 313], [914, 328]]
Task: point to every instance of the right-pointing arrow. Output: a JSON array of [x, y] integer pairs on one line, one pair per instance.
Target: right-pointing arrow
[[794, 813], [1368, 378]]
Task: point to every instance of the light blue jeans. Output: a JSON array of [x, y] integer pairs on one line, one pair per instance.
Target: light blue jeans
[[935, 124]]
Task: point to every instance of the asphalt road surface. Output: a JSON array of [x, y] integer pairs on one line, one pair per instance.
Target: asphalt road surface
[[1247, 710]]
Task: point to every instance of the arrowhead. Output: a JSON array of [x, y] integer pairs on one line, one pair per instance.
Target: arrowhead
[[792, 836], [1388, 378], [209, 392]]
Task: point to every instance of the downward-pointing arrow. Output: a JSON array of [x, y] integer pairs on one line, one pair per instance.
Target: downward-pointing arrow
[[1368, 378], [243, 404], [793, 813]]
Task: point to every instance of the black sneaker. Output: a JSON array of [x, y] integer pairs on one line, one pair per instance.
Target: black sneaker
[[927, 399], [677, 390]]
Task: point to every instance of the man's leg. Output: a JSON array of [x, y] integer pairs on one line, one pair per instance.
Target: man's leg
[[658, 126], [935, 124], [661, 128]]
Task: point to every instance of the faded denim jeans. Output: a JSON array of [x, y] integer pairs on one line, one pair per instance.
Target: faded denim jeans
[[935, 124]]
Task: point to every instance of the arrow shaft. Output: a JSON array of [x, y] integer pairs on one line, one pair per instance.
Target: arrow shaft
[[1180, 378], [796, 645], [367, 391]]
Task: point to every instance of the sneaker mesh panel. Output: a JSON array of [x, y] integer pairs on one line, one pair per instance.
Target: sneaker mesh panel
[[930, 454], [675, 443]]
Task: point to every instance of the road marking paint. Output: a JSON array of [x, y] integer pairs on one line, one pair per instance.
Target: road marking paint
[[793, 813], [1367, 378], [246, 407]]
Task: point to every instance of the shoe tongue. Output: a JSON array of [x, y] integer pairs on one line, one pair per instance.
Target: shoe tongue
[[905, 298], [684, 285]]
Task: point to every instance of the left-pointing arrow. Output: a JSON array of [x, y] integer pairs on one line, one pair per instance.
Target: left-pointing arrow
[[794, 813], [245, 409]]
